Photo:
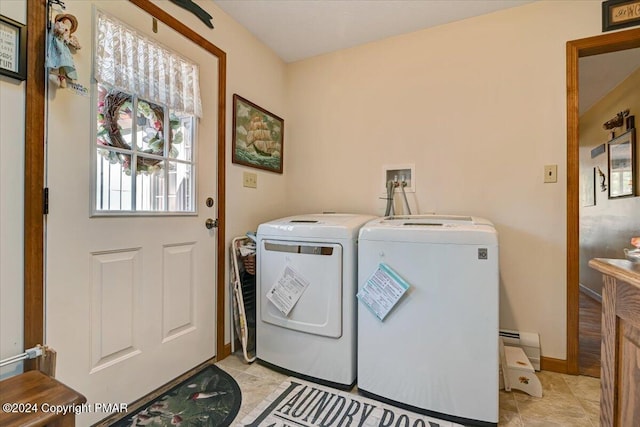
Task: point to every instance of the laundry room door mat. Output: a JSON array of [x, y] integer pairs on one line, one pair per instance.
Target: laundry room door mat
[[208, 398], [301, 403]]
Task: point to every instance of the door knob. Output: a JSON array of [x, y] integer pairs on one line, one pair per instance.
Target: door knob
[[211, 223]]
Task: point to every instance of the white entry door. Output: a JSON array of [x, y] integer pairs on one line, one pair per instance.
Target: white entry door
[[130, 299]]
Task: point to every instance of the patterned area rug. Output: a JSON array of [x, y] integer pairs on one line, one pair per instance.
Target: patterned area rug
[[300, 403], [209, 398]]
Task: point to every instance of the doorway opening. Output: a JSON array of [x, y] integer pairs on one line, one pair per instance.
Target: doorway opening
[[577, 49]]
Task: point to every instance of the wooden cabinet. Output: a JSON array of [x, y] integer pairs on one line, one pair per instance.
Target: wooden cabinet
[[620, 375]]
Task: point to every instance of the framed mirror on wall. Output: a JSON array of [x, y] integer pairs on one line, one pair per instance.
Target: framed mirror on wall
[[622, 165]]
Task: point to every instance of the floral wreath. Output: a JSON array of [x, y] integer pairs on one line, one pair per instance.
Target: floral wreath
[[150, 116]]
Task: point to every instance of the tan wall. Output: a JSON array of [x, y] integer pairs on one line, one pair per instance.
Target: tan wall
[[257, 74], [606, 228], [253, 71], [479, 106]]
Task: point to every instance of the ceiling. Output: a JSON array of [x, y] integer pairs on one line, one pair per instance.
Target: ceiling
[[299, 29], [599, 74]]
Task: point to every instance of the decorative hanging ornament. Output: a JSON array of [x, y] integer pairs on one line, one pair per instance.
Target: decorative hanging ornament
[[196, 10], [617, 121], [62, 45]]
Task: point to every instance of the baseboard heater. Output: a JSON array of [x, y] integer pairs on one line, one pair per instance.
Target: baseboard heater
[[527, 341]]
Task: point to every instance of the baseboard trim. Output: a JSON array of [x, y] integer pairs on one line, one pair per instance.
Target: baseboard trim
[[553, 365], [226, 351], [590, 293]]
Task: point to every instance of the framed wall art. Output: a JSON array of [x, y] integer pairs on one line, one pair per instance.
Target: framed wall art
[[618, 14], [13, 48], [589, 188], [258, 136], [622, 165]]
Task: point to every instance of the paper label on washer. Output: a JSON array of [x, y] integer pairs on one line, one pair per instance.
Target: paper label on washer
[[382, 291], [286, 292]]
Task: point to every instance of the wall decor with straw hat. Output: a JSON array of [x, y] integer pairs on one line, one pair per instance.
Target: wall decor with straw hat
[[62, 45]]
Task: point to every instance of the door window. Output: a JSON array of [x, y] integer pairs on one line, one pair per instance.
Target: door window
[[144, 155], [147, 101]]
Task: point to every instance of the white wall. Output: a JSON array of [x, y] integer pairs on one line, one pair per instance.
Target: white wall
[[12, 101], [479, 106]]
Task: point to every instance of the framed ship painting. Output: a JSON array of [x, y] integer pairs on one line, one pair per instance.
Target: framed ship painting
[[258, 136]]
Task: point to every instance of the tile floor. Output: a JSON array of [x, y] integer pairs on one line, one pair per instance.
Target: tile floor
[[567, 400]]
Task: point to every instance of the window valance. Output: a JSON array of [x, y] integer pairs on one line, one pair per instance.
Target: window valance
[[131, 62]]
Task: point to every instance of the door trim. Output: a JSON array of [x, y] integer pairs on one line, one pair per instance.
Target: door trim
[[34, 304], [34, 178], [577, 49]]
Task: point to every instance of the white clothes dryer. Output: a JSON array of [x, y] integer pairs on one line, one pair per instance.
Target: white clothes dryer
[[436, 351], [306, 286]]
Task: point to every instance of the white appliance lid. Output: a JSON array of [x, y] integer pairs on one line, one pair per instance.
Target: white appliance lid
[[443, 229], [315, 226]]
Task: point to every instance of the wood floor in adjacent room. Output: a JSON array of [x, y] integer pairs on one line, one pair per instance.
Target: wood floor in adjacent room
[[590, 322]]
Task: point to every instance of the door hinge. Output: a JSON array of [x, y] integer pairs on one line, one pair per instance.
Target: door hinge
[[45, 201]]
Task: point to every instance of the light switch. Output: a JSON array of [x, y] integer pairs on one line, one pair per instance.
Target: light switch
[[551, 173], [249, 180]]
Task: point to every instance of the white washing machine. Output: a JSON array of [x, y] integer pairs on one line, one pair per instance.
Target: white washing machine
[[306, 285], [436, 351]]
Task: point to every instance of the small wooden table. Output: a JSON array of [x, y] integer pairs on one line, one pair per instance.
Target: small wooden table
[[620, 372], [36, 399]]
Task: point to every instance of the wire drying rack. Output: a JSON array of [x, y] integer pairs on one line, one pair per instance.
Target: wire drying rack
[[243, 282]]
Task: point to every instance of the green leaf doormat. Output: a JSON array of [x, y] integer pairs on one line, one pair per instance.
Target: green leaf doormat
[[209, 398]]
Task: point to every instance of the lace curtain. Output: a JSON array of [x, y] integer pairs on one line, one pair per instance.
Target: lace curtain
[[131, 62]]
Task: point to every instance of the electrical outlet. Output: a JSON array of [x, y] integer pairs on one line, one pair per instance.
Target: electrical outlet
[[551, 173], [249, 180]]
